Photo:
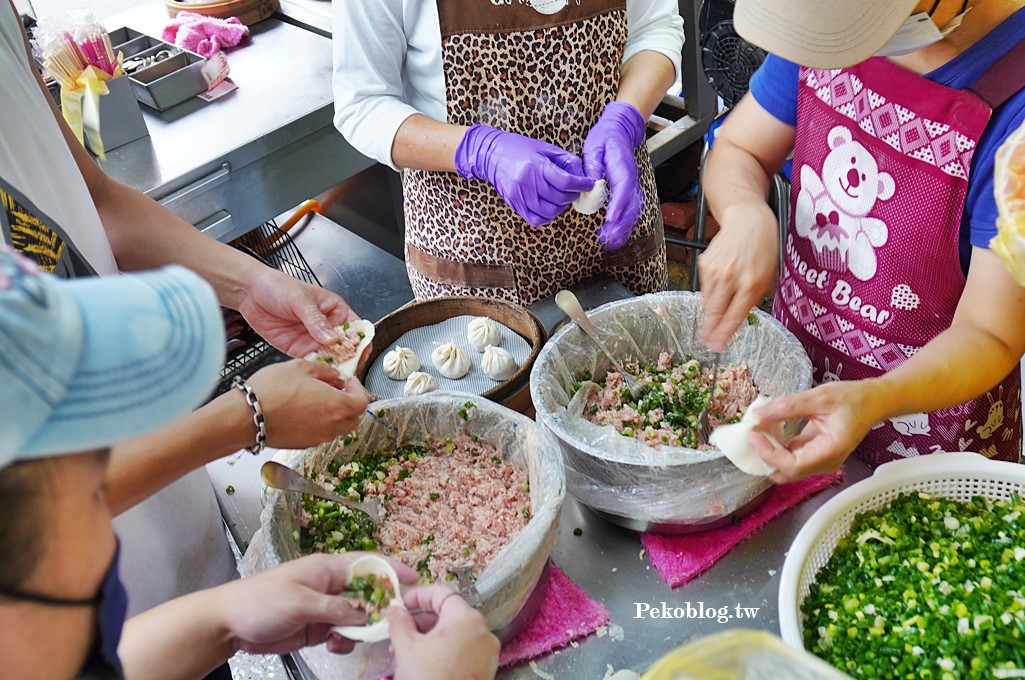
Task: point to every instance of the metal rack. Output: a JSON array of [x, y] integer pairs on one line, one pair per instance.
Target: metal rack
[[681, 121]]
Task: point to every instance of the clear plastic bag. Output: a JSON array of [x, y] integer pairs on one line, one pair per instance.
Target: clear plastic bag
[[741, 655], [507, 582], [621, 475]]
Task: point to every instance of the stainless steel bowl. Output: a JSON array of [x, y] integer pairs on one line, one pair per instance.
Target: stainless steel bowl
[[667, 489]]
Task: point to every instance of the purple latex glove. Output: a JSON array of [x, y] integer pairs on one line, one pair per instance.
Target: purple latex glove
[[537, 179], [609, 153]]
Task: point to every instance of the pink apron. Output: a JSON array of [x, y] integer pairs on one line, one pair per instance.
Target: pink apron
[[881, 163]]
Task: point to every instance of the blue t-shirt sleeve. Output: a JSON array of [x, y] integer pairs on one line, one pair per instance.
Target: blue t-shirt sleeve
[[774, 86], [981, 206]]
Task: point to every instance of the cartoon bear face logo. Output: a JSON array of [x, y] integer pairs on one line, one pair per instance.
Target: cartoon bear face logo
[[852, 177], [832, 210]]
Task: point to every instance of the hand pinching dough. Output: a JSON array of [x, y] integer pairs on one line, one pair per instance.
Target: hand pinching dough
[[591, 201]]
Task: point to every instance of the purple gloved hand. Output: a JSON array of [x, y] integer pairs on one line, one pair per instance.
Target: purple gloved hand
[[537, 179], [609, 153]]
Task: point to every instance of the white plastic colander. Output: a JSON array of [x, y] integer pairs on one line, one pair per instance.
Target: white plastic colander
[[957, 476]]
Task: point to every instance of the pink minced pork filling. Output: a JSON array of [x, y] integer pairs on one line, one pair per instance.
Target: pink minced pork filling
[[667, 413], [459, 505]]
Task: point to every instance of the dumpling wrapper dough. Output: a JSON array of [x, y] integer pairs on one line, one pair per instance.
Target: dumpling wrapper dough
[[733, 441], [400, 362], [419, 383], [346, 366], [591, 201], [374, 632], [483, 331], [451, 361], [497, 363]]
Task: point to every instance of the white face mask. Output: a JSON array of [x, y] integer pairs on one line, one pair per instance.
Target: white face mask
[[917, 32]]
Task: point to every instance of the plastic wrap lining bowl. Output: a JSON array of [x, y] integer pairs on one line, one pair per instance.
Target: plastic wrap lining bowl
[[667, 489], [509, 581]]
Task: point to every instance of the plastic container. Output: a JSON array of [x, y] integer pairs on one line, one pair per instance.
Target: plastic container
[[957, 476], [741, 655]]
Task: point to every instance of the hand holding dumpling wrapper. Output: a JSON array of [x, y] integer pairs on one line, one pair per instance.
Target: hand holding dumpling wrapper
[[1009, 188], [733, 441]]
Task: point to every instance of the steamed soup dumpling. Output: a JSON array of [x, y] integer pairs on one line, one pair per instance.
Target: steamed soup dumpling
[[451, 361], [482, 332], [400, 362], [497, 363], [419, 383]]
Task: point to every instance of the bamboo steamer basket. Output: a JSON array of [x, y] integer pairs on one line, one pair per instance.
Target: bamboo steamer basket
[[513, 393], [248, 11]]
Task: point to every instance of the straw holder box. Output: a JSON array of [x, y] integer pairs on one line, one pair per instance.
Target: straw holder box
[[120, 117]]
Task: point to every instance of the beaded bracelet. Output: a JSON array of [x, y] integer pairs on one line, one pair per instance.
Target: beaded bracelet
[[258, 418]]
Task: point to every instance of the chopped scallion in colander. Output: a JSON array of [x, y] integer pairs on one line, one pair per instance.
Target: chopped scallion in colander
[[924, 587]]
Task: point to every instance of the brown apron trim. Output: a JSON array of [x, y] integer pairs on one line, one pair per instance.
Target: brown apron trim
[[480, 275], [1004, 79], [481, 16], [637, 250], [469, 274]]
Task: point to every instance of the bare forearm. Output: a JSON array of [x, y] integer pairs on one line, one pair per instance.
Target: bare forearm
[[732, 177], [982, 346], [644, 81], [182, 639], [144, 235], [425, 144], [751, 145], [142, 466], [958, 365]]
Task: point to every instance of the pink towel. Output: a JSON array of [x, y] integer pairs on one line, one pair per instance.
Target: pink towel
[[202, 34], [681, 558], [566, 613]]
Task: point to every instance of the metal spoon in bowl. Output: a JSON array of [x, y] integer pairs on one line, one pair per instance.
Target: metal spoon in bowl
[[568, 303], [704, 427], [283, 477]]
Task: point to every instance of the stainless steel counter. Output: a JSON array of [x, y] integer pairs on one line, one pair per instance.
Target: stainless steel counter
[[678, 122], [233, 163], [605, 560]]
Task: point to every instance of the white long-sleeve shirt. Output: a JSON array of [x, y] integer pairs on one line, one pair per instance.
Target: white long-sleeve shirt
[[387, 63]]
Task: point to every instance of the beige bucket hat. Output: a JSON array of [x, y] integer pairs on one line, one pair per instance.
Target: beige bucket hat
[[821, 33]]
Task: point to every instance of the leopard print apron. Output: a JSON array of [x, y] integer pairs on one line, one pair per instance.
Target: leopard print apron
[[544, 70]]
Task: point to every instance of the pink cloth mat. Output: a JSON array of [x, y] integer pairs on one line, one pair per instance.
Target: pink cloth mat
[[202, 34], [566, 613], [680, 558]]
